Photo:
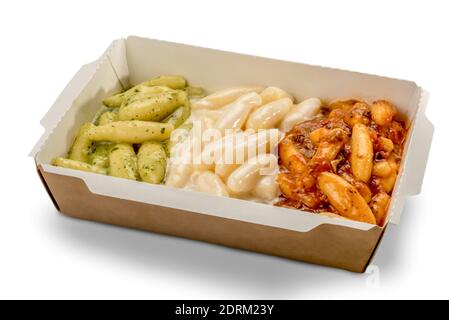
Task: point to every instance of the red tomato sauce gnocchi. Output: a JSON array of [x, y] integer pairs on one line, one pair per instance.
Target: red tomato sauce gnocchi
[[345, 162]]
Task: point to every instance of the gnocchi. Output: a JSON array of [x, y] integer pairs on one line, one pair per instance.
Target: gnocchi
[[361, 153], [345, 198], [221, 98], [387, 182], [179, 116], [209, 182], [179, 175], [224, 170], [383, 112], [245, 177], [99, 155], [382, 169], [151, 161], [301, 112], [123, 162], [270, 94], [269, 115], [108, 117], [78, 165], [117, 100], [379, 206], [80, 147], [153, 108], [266, 188], [173, 82], [134, 131], [236, 114]]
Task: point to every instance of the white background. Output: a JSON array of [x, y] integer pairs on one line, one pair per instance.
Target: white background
[[43, 44]]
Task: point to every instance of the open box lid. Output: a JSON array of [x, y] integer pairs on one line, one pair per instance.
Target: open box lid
[[132, 60]]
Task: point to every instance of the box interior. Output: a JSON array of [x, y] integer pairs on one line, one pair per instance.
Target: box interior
[[133, 60]]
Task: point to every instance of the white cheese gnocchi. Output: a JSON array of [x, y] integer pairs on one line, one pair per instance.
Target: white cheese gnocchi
[[250, 122]]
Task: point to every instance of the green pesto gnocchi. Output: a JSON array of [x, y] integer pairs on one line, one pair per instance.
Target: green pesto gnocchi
[[141, 118], [78, 165], [145, 93], [153, 107], [99, 155], [179, 116], [134, 131], [108, 117], [80, 147], [173, 82], [123, 161], [152, 161], [148, 87]]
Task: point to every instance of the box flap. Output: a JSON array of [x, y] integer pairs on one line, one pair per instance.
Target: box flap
[[414, 163], [71, 92]]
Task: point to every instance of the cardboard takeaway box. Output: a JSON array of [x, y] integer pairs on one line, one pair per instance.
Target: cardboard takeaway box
[[231, 222]]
